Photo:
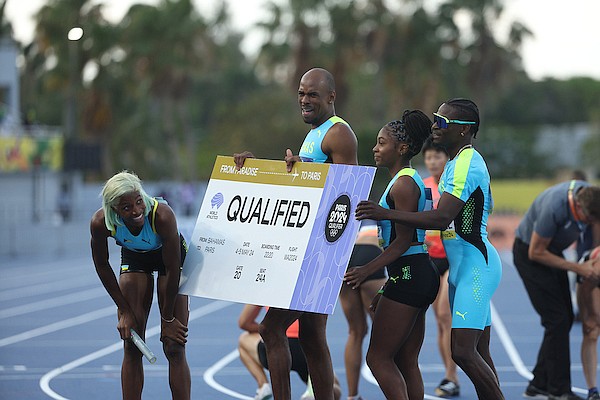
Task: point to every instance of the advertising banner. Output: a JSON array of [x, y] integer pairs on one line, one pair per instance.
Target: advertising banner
[[268, 237]]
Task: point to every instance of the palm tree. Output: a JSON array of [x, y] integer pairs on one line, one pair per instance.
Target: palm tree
[[165, 47], [6, 30], [295, 42], [46, 72], [491, 67]]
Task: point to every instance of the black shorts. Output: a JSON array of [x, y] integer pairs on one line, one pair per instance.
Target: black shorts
[[150, 261], [441, 264], [362, 254], [298, 358], [414, 280]]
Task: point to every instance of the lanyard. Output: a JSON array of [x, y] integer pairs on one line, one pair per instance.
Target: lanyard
[[572, 203]]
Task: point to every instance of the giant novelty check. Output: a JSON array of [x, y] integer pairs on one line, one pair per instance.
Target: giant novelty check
[[268, 237]]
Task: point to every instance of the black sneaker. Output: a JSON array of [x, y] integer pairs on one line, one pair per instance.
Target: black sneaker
[[447, 388], [535, 393]]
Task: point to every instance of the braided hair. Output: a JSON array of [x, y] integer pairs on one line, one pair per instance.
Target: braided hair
[[468, 111], [414, 128]]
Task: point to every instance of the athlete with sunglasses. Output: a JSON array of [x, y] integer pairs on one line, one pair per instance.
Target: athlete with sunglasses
[[462, 212]]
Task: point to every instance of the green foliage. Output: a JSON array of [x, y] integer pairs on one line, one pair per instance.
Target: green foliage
[[510, 152], [5, 26], [549, 101], [591, 149], [515, 196]]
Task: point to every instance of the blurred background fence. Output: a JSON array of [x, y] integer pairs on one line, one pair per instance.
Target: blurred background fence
[[38, 218]]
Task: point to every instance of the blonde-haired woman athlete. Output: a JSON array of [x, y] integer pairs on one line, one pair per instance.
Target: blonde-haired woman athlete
[[146, 229]]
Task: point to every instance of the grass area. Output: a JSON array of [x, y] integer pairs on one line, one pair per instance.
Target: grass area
[[515, 196]]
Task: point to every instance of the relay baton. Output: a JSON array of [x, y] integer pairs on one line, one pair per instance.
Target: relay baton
[[137, 340]]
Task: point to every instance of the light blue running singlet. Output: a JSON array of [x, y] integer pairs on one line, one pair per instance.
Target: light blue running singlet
[[311, 151]]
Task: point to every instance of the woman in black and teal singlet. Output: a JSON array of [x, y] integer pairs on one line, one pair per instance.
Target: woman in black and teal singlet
[[399, 323], [146, 230]]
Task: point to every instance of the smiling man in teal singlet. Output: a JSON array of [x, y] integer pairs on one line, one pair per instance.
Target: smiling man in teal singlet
[[330, 140]]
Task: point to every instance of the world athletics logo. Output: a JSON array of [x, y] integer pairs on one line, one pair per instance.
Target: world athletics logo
[[217, 200]]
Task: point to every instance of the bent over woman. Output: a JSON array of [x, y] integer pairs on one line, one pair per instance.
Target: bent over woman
[[146, 230]]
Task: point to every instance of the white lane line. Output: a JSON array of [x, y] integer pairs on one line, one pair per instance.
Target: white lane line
[[45, 380], [429, 397], [56, 326], [155, 330], [44, 288], [209, 376], [497, 323], [53, 302], [505, 339], [368, 375], [508, 344], [19, 275], [511, 350], [223, 362]]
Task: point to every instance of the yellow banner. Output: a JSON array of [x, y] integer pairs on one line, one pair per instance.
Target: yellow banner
[[303, 174]]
